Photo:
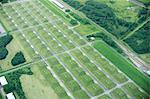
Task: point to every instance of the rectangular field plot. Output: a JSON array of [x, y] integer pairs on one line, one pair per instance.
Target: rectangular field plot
[[65, 65], [16, 45]]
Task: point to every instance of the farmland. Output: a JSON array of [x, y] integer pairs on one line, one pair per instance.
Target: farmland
[[61, 62]]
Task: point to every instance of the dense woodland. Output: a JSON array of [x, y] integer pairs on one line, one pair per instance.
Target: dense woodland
[[3, 43], [14, 84], [140, 41]]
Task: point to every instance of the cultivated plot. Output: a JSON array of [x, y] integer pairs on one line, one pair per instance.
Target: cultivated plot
[[72, 66]]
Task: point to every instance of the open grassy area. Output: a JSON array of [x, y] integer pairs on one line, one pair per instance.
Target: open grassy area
[[125, 66], [86, 29], [38, 86]]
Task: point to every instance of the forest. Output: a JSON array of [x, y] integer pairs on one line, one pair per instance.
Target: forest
[[140, 40]]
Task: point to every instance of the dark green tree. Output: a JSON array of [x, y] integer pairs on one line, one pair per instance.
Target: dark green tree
[[18, 59], [3, 53]]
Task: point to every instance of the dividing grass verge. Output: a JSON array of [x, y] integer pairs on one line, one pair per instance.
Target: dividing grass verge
[[124, 65]]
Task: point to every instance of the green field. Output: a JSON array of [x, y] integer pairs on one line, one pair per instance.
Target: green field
[[38, 86], [64, 64]]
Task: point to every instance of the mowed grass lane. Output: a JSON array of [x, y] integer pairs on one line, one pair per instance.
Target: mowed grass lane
[[124, 65]]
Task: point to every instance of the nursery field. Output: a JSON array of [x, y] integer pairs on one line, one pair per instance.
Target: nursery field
[[64, 64]]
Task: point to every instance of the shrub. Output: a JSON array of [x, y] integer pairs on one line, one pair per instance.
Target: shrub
[[18, 59], [3, 53], [5, 40], [67, 10]]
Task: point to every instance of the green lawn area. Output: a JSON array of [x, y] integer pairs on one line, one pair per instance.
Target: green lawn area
[[124, 65], [86, 29], [38, 86]]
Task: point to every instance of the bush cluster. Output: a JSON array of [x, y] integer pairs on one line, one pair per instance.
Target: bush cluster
[[18, 59]]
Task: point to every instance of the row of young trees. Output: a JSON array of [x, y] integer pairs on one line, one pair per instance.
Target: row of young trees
[[18, 59]]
